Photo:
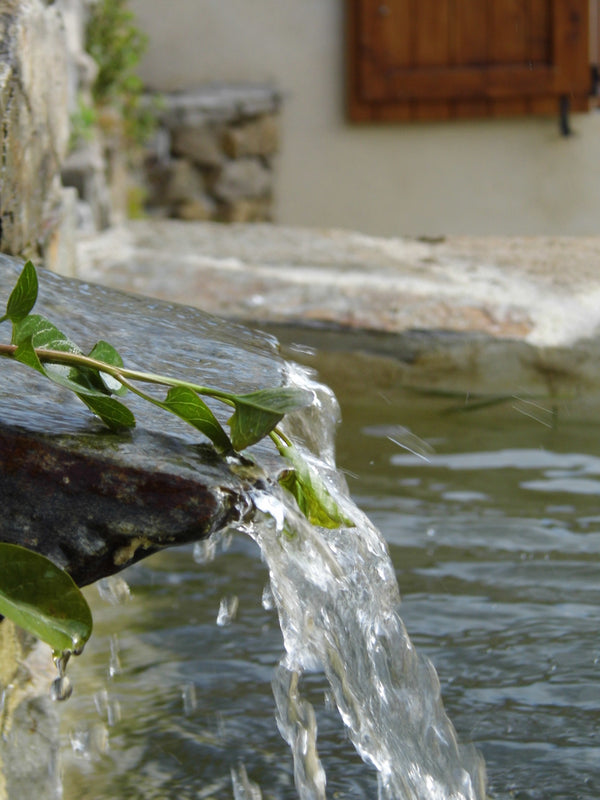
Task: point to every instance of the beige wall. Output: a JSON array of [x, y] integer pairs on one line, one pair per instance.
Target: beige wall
[[504, 177]]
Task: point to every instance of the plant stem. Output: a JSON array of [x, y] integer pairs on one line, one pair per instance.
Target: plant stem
[[122, 374]]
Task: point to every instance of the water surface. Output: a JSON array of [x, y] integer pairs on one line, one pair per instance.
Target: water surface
[[493, 525]]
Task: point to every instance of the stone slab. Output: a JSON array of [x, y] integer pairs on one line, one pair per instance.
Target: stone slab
[[96, 501], [543, 291]]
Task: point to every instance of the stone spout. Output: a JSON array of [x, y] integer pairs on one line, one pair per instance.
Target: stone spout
[[94, 501]]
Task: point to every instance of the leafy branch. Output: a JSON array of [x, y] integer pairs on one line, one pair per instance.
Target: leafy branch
[[99, 379]]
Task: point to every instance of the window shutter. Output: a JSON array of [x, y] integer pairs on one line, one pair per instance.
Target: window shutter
[[440, 59]]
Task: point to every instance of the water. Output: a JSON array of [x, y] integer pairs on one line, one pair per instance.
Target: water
[[492, 524]]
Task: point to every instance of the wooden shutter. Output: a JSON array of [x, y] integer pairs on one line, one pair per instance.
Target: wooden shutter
[[439, 59]]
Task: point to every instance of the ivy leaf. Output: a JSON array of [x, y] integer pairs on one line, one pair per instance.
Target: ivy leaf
[[113, 413], [311, 494], [257, 413], [43, 599], [103, 351], [186, 404], [37, 333], [25, 353], [43, 334], [24, 294]]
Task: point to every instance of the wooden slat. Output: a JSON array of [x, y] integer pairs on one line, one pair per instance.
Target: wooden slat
[[465, 82], [429, 30], [540, 33], [469, 43], [507, 32], [570, 45]]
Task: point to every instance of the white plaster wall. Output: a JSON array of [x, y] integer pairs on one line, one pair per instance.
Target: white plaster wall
[[511, 177]]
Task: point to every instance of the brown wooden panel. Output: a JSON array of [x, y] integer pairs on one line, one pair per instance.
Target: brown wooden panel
[[570, 43], [429, 31], [439, 58], [507, 32], [469, 33], [540, 32]]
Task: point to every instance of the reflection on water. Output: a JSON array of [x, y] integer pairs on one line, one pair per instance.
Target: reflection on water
[[493, 524]]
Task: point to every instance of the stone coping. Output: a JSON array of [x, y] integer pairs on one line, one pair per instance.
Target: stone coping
[[218, 102], [542, 291]]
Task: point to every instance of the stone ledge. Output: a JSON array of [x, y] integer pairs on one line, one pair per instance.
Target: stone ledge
[[460, 314], [543, 291], [218, 103]]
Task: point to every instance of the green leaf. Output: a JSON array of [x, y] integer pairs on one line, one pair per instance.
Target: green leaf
[[257, 413], [113, 413], [103, 351], [37, 333], [311, 494], [43, 334], [186, 404], [24, 294], [25, 353], [42, 598]]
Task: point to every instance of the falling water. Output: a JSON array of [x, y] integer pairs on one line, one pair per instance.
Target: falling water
[[337, 598]]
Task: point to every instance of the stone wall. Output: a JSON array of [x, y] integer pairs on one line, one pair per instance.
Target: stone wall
[[45, 185], [35, 124], [213, 156]]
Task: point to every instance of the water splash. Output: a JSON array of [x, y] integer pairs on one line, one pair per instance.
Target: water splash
[[337, 599], [228, 608]]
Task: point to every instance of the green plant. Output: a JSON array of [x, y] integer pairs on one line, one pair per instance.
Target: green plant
[[98, 378], [83, 122], [116, 45]]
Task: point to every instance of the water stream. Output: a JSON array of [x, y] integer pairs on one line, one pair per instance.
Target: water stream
[[491, 522]]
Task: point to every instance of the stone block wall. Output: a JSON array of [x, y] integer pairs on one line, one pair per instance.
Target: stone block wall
[[213, 156], [42, 67]]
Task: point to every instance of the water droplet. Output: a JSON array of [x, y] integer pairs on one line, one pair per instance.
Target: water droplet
[[227, 610], [267, 600], [226, 540], [114, 663], [89, 742], [204, 552], [243, 787], [190, 701], [114, 590], [61, 689], [108, 709]]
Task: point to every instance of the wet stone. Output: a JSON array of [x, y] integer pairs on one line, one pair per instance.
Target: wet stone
[[95, 501]]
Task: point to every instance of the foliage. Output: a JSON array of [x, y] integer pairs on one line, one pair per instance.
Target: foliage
[[116, 45], [51, 608], [83, 122], [43, 599]]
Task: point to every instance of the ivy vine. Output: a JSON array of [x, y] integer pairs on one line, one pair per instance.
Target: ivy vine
[[38, 595]]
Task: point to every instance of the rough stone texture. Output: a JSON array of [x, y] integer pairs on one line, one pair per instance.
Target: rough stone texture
[[33, 92], [218, 103], [43, 70], [84, 169], [29, 720], [260, 137], [228, 137], [95, 501], [494, 313], [245, 178], [183, 182], [200, 144]]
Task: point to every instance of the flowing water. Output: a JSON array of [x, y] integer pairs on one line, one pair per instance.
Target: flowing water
[[491, 520]]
